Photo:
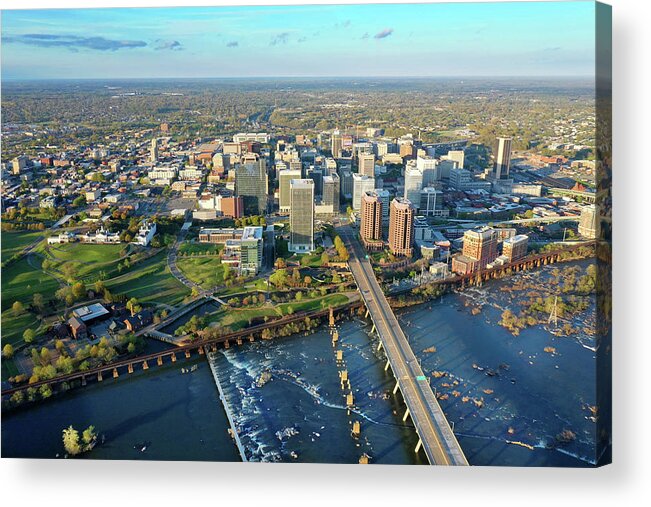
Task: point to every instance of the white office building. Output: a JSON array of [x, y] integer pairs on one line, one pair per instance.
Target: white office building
[[413, 183], [361, 185], [284, 178], [429, 167]]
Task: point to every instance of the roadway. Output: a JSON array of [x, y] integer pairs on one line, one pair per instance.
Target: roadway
[[438, 440]]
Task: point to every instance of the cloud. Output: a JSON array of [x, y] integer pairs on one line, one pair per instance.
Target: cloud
[[172, 45], [72, 42], [232, 44], [281, 38], [343, 24], [365, 36], [383, 34], [301, 40]]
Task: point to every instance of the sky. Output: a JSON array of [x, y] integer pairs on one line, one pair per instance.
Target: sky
[[437, 40]]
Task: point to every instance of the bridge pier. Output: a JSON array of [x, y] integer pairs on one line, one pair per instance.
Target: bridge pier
[[350, 401], [173, 357], [404, 417], [356, 429], [145, 366], [251, 338], [83, 380], [226, 344], [239, 340], [115, 373], [418, 446], [130, 368], [386, 366], [201, 352], [396, 387], [99, 377], [159, 361], [187, 354], [379, 345], [373, 329]]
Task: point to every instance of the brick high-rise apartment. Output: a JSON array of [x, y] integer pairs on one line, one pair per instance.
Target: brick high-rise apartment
[[371, 221], [401, 227], [479, 249]]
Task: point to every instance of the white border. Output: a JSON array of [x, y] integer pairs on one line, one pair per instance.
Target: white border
[[77, 482]]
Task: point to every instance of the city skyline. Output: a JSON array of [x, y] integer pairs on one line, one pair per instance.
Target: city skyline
[[442, 40]]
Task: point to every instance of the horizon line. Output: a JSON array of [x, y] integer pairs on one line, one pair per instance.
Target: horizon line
[[451, 76]]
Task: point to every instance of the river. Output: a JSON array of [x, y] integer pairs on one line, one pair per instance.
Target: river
[[528, 396]]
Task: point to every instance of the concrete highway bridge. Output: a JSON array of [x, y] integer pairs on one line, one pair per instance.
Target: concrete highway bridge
[[435, 435]]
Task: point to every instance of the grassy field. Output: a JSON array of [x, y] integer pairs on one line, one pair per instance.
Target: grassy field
[[89, 260], [9, 369], [150, 282], [238, 318], [13, 242], [306, 260], [19, 283], [205, 271], [199, 248]]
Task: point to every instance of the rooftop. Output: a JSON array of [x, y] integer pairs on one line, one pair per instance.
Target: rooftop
[[90, 312], [252, 233]]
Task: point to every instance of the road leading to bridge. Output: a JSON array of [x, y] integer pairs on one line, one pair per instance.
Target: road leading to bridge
[[438, 440]]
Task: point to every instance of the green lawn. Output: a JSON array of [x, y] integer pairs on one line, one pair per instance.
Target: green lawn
[[238, 318], [13, 326], [319, 303], [9, 369], [150, 282], [199, 248], [20, 281], [13, 242], [205, 271], [89, 260], [306, 260]]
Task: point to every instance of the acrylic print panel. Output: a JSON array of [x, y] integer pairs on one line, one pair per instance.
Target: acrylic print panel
[[319, 233]]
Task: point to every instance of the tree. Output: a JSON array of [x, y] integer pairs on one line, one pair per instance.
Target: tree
[[133, 306], [325, 259], [29, 335], [8, 351], [79, 290], [89, 436], [99, 285], [69, 270], [18, 307], [38, 302], [45, 356], [71, 441], [279, 278]]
